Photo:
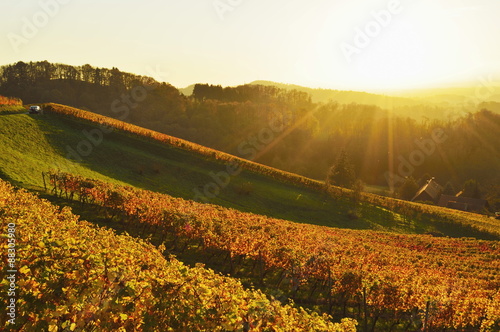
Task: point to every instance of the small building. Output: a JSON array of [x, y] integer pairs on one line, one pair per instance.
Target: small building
[[463, 203], [430, 192]]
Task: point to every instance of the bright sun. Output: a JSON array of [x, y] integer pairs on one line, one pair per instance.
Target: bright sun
[[414, 46]]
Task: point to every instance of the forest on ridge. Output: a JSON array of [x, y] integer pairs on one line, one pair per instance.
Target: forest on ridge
[[285, 128]]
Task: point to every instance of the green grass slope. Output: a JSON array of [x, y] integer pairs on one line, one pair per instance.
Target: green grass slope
[[32, 144]]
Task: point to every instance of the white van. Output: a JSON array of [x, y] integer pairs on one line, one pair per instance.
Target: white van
[[35, 110]]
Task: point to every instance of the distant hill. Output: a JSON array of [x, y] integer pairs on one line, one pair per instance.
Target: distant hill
[[482, 90], [345, 97], [436, 96], [187, 91]]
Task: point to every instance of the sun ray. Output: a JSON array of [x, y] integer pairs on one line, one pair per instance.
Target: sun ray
[[298, 123]]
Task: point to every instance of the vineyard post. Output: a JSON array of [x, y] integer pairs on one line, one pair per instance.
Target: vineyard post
[[66, 186], [261, 267], [365, 310], [230, 257], [330, 290], [61, 185], [44, 184], [281, 277], [426, 319], [53, 180]]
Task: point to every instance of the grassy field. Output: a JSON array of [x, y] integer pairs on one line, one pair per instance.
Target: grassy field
[[32, 144]]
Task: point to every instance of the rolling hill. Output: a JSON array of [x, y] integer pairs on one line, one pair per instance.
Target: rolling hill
[[437, 103], [228, 119], [76, 277], [373, 275], [328, 269], [346, 97], [131, 155], [452, 97]]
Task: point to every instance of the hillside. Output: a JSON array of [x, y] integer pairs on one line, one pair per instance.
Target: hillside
[[38, 143], [282, 127], [400, 281], [373, 274], [74, 276]]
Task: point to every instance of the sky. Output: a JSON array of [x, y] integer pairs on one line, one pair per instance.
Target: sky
[[368, 45]]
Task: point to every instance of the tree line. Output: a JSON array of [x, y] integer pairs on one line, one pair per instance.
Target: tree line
[[382, 145]]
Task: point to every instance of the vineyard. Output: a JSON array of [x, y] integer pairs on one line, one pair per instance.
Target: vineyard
[[408, 210], [9, 105], [386, 281], [73, 276], [9, 101]]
